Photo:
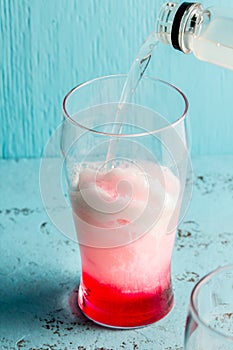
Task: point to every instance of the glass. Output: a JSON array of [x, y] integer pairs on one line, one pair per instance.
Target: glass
[[126, 191], [209, 323]]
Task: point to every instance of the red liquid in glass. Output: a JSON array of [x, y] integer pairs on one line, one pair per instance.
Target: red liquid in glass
[[110, 306]]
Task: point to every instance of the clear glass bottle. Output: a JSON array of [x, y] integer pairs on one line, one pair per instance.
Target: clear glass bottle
[[207, 33]]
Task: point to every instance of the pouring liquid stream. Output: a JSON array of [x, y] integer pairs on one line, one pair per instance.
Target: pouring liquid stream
[[134, 76]]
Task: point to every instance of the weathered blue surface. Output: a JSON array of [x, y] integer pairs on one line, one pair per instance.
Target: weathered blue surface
[[47, 47], [40, 267]]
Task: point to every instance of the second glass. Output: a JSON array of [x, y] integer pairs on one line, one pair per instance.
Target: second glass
[[126, 168], [209, 323]]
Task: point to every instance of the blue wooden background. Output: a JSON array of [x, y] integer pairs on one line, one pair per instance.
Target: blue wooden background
[[48, 46]]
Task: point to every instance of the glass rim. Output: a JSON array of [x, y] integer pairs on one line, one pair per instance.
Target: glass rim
[[156, 131], [193, 308]]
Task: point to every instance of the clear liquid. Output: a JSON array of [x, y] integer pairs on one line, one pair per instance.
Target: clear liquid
[[135, 74], [215, 45]]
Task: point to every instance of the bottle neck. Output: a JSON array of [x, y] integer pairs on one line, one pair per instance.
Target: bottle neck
[[178, 24]]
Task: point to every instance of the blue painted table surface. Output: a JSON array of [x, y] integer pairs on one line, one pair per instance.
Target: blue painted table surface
[[40, 267]]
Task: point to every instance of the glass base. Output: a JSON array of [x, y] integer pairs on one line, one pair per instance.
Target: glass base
[[125, 310]]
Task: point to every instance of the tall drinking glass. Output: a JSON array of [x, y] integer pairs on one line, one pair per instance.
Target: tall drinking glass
[[126, 168], [209, 323]]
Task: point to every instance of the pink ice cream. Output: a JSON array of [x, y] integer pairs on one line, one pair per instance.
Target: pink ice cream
[[122, 218]]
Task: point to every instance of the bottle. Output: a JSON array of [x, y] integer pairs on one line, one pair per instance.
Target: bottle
[[207, 33]]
